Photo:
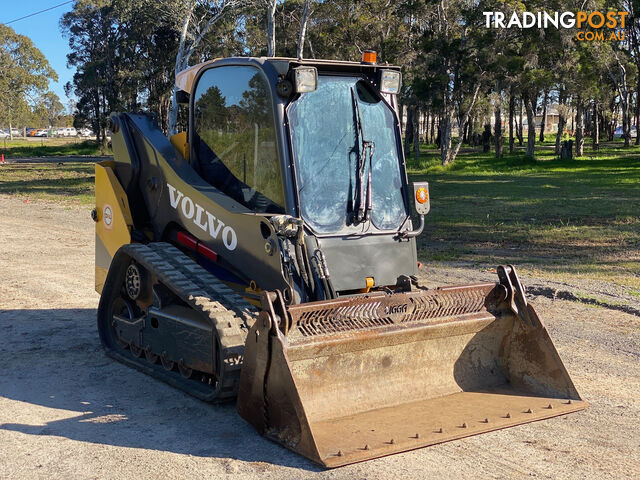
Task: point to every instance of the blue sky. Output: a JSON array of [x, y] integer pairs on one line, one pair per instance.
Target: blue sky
[[44, 31]]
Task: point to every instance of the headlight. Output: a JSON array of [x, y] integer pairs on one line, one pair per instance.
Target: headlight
[[389, 81], [306, 79]]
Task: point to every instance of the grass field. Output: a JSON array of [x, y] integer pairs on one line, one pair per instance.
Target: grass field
[[578, 217], [71, 182], [49, 147]]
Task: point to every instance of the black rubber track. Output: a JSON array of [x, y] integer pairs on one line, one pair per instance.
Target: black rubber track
[[229, 313]]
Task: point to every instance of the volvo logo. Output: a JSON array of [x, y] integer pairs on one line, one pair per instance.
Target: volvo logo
[[202, 218]]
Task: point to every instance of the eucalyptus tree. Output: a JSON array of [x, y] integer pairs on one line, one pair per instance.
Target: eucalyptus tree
[[199, 17], [454, 55], [24, 75]]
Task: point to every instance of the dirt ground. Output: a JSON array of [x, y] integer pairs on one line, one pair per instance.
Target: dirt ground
[[67, 411]]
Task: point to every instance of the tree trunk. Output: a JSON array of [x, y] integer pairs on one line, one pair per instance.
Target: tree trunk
[[626, 123], [543, 124], [562, 121], [416, 134], [426, 127], [579, 127], [531, 125], [498, 131], [271, 28], [511, 112], [409, 129], [306, 11], [465, 134], [181, 62], [637, 112], [433, 126], [445, 137], [614, 120], [620, 81], [596, 131], [453, 153], [519, 128]]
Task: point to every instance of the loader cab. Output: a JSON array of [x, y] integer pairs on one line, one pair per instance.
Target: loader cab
[[328, 152]]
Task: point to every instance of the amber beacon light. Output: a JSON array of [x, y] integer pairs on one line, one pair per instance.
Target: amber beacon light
[[369, 56]]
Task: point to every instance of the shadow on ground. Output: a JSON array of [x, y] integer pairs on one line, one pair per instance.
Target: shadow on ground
[[57, 381]]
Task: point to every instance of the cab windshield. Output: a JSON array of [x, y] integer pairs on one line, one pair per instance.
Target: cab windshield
[[335, 174]]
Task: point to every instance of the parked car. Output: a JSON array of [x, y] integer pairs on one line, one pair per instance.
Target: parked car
[[4, 134], [85, 132], [43, 132]]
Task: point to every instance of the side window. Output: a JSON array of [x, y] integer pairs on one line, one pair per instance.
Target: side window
[[236, 138]]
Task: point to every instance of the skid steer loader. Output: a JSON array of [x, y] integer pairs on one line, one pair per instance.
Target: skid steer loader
[[269, 254]]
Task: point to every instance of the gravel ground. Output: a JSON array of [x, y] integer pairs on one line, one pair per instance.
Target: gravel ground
[[67, 411]]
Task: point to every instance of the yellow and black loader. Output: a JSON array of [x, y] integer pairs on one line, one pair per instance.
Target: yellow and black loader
[[269, 254]]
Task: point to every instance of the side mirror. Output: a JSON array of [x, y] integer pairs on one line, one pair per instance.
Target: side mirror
[[422, 202]]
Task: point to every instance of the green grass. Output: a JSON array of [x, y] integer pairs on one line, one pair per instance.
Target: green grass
[[563, 218], [71, 182], [50, 147]]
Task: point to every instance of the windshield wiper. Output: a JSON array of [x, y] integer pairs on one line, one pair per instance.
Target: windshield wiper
[[364, 152]]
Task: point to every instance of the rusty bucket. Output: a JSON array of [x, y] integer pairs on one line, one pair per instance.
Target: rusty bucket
[[351, 379]]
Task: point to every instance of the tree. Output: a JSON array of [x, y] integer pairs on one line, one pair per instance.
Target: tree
[[52, 106], [94, 38], [199, 18], [453, 67], [24, 74], [271, 27], [304, 20]]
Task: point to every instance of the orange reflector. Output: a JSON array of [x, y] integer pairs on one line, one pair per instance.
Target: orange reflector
[[369, 56], [422, 196]]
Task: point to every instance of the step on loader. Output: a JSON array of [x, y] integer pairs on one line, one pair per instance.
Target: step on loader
[[268, 253]]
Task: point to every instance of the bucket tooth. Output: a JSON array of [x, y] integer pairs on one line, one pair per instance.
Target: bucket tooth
[[360, 375]]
